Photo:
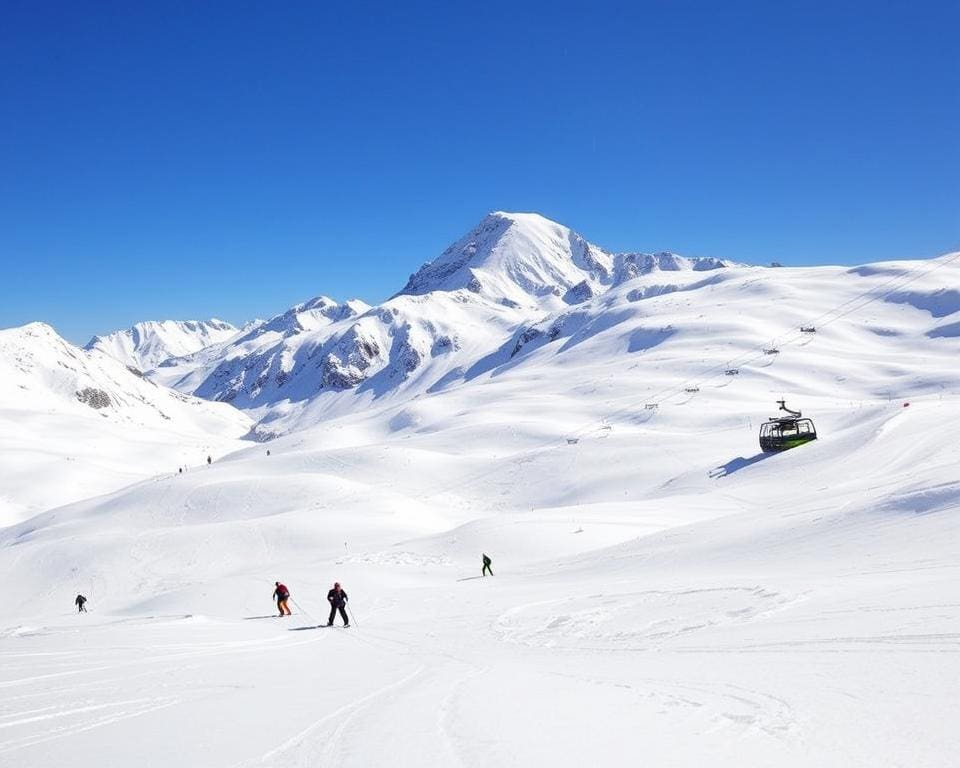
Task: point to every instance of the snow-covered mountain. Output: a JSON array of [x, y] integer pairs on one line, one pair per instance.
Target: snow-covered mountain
[[321, 358], [247, 369], [516, 283], [92, 424], [146, 345], [524, 260], [312, 315]]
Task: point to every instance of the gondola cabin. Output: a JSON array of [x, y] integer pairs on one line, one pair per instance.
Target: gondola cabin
[[781, 433]]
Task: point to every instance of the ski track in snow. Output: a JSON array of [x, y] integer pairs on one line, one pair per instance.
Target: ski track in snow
[[302, 749]]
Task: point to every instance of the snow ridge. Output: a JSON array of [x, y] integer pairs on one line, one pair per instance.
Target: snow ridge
[[521, 259], [147, 344]]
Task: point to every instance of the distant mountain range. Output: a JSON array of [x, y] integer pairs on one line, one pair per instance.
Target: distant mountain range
[[521, 320], [516, 283], [510, 271], [146, 345]]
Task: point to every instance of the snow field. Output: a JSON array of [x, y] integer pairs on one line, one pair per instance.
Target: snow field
[[754, 615], [664, 593]]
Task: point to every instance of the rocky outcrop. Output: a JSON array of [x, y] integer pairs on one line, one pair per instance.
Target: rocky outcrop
[[95, 398]]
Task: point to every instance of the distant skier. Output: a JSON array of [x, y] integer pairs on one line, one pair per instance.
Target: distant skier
[[282, 595], [268, 451], [81, 604], [209, 460], [486, 566], [338, 601]]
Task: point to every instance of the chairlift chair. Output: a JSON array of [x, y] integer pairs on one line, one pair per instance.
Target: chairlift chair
[[780, 433]]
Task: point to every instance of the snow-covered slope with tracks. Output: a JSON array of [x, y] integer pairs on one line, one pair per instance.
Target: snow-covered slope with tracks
[[664, 592]]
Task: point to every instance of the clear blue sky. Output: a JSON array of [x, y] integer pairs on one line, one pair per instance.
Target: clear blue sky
[[183, 160]]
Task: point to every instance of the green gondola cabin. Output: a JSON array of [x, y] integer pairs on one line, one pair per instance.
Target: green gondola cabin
[[781, 433]]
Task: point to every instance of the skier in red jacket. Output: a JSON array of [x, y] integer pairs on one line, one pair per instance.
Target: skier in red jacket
[[282, 594]]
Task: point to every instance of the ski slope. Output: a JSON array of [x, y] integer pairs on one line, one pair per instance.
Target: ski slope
[[663, 592], [76, 424], [793, 612]]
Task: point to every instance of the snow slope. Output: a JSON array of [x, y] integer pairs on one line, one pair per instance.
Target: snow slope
[[664, 593], [75, 424], [146, 345]]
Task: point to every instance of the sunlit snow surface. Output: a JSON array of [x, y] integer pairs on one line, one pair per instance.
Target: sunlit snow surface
[[149, 344], [77, 423], [663, 594]]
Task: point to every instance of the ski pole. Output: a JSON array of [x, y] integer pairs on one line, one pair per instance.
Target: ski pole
[[353, 618], [302, 609]]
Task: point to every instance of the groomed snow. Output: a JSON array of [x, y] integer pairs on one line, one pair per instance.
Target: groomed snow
[[663, 593]]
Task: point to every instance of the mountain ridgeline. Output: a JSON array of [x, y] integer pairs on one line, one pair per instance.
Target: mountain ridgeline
[[515, 290], [509, 272], [148, 344]]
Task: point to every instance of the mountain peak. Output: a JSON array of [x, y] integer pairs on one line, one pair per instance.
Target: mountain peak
[[523, 218], [35, 328], [515, 259], [526, 259], [310, 315]]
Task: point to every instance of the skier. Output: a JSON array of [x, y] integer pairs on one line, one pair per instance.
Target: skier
[[486, 566], [81, 608], [209, 460], [338, 601], [282, 594]]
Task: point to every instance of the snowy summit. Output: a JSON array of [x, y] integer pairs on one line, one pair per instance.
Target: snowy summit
[[519, 258]]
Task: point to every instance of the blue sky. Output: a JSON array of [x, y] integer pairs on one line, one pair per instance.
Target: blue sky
[[183, 160]]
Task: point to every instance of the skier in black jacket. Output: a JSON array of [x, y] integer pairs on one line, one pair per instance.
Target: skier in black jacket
[[338, 601], [80, 603]]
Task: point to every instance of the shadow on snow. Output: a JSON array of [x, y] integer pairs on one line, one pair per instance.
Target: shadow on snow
[[737, 464]]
